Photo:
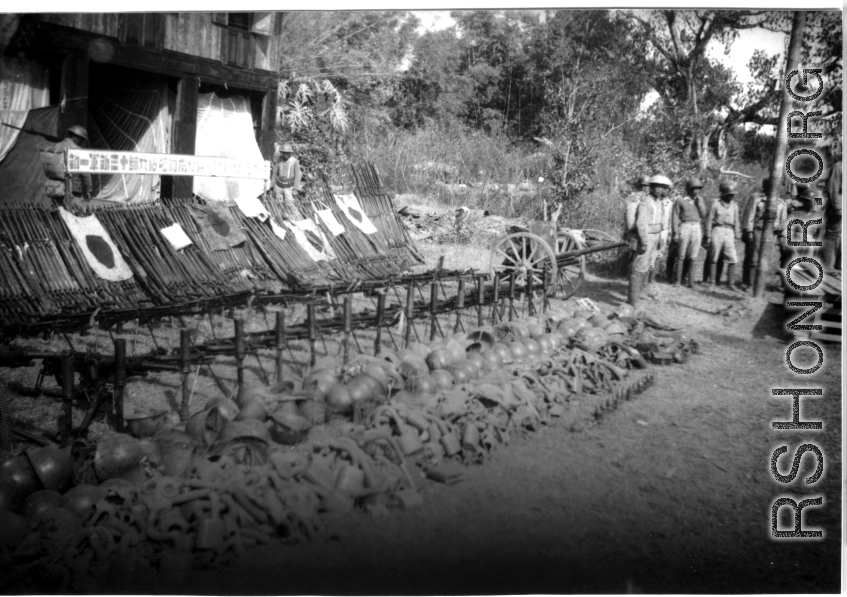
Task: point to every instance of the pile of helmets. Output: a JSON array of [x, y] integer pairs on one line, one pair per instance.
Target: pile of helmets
[[34, 476]]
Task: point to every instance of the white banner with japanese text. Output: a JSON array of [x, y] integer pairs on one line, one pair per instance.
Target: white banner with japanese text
[[129, 162]]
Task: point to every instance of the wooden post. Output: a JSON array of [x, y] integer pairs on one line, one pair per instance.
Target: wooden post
[[185, 370], [311, 316], [185, 131], [433, 307], [119, 383], [380, 321], [67, 399], [480, 299], [280, 343], [511, 295], [795, 47], [545, 287], [410, 313], [530, 284], [347, 327], [496, 300], [460, 305], [239, 352]]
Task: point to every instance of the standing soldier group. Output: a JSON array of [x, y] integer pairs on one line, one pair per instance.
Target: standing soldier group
[[655, 223]]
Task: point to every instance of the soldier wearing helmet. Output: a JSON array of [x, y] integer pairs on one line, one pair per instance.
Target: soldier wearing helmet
[[753, 224], [649, 223], [804, 212], [723, 227], [686, 230], [285, 179], [77, 138], [831, 251]]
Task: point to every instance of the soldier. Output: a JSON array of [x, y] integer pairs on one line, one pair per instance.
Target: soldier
[[649, 220], [632, 200], [754, 221], [831, 253], [804, 211], [77, 139], [665, 246], [723, 227], [686, 233], [285, 179]]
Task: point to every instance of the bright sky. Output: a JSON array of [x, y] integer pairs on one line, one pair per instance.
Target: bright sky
[[748, 41]]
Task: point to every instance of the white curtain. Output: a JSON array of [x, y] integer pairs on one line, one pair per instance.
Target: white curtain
[[24, 85], [225, 129]]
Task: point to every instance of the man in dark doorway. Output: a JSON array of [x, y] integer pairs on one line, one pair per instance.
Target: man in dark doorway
[[77, 138]]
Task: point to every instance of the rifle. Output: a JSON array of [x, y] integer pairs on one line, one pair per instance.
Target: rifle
[[50, 138]]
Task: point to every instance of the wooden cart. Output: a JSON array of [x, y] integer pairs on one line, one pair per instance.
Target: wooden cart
[[540, 248]]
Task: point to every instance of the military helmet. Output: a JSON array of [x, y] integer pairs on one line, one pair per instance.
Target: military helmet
[[693, 183], [661, 180], [804, 192], [78, 131], [642, 181], [728, 187]]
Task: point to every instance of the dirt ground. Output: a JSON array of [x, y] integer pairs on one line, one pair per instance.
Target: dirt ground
[[670, 493]]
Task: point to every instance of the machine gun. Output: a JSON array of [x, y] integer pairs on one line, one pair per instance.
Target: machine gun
[[102, 377], [50, 138]]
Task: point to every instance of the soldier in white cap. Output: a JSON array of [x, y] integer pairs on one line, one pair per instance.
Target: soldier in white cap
[[649, 223], [286, 178]]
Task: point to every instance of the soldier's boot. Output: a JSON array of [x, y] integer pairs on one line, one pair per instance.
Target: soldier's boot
[[647, 279], [730, 276], [707, 271], [713, 274], [677, 272], [634, 290], [689, 267]]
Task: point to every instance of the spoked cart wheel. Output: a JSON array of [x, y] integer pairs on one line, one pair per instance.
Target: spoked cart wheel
[[570, 273], [527, 255]]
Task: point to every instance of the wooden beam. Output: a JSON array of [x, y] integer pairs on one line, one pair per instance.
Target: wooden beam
[[64, 39], [185, 132]]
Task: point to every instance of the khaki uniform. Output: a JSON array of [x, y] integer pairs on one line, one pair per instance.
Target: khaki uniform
[[723, 226], [286, 179], [687, 226], [754, 221], [81, 183], [631, 203], [649, 223]]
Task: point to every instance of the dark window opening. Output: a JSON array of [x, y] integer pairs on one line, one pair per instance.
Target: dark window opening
[[240, 20]]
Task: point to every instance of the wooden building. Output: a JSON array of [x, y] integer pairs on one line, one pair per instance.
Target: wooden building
[[228, 53]]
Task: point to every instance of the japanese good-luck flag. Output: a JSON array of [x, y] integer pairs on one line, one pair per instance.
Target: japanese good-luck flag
[[217, 226], [349, 204], [329, 220], [313, 241], [97, 246]]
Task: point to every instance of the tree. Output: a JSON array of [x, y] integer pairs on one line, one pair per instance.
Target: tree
[[584, 63], [699, 97]]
